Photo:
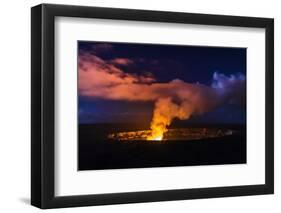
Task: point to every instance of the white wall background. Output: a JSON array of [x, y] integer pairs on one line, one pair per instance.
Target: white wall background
[[15, 105]]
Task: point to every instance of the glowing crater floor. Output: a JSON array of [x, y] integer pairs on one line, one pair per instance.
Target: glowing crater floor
[[174, 134]]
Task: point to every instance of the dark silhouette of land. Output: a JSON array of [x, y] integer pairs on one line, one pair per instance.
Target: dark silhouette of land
[[96, 151]]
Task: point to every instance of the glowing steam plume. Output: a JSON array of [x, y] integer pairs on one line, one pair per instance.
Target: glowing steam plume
[[165, 111], [196, 99], [105, 79]]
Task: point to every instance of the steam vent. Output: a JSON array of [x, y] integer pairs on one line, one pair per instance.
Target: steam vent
[[173, 134]]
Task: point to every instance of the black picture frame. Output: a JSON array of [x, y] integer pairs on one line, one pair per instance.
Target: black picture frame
[[43, 117]]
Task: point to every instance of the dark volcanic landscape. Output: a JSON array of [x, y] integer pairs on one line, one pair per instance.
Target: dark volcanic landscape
[[97, 152]]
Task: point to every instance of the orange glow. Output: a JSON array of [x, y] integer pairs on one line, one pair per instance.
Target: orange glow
[[191, 133], [157, 138], [158, 128]]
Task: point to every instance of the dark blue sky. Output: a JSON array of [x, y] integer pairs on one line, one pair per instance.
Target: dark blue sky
[[165, 62]]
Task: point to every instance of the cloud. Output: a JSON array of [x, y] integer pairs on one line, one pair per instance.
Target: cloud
[[122, 61], [97, 76]]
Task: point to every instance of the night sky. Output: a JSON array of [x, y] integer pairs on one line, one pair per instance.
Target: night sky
[[191, 64]]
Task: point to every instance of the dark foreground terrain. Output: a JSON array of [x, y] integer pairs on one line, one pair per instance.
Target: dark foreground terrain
[[98, 152]]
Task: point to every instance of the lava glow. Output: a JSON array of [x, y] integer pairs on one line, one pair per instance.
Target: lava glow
[[157, 138], [191, 133], [157, 130]]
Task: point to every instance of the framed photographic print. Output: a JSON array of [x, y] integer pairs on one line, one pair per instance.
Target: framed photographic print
[[139, 106]]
